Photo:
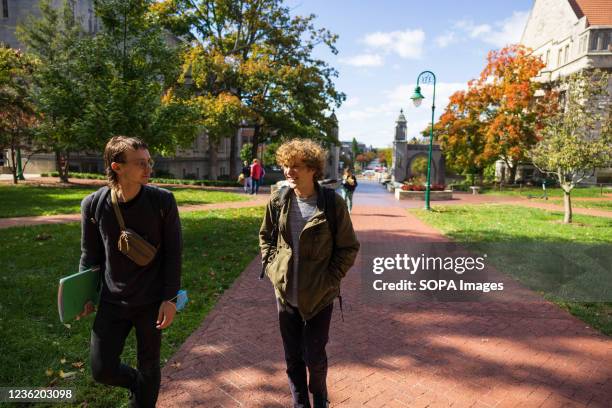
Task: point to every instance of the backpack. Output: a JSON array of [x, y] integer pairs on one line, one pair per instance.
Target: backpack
[[329, 196]]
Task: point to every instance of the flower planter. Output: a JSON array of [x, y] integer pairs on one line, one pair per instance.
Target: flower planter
[[420, 195]]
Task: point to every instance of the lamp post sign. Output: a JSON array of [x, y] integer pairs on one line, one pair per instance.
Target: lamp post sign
[[426, 77]]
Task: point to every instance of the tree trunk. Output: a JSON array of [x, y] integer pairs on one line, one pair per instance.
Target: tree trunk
[[567, 203], [61, 163], [255, 146], [234, 146], [213, 168], [511, 174], [13, 165]]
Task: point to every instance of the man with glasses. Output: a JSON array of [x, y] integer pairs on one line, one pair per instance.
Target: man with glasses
[[307, 245], [142, 297]]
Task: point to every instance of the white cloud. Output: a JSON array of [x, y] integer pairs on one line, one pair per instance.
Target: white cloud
[[508, 31], [446, 39], [408, 44], [499, 33], [363, 60]]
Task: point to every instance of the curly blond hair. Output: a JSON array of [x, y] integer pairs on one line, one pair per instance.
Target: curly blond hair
[[307, 151]]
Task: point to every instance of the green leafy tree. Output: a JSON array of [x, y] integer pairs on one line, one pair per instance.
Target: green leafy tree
[[17, 113], [355, 149], [256, 51], [54, 40], [246, 153], [133, 71], [577, 139]]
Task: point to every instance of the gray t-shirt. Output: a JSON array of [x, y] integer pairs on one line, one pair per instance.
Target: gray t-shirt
[[300, 212]]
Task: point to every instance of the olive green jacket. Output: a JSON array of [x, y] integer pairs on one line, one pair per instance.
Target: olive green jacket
[[322, 264]]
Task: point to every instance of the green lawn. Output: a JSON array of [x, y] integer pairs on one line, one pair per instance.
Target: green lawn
[[597, 205], [567, 264], [218, 246], [26, 200], [550, 192]]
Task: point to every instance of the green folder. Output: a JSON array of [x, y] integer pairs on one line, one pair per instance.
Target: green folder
[[75, 291]]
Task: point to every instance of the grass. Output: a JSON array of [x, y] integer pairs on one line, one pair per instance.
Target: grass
[[550, 192], [26, 200], [597, 205], [219, 244], [567, 264]]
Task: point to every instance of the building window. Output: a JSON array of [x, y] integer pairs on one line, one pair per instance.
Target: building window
[[5, 8], [559, 56], [222, 171], [566, 54], [90, 20], [547, 57]]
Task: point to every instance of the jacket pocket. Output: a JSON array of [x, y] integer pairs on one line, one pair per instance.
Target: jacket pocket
[[276, 269]]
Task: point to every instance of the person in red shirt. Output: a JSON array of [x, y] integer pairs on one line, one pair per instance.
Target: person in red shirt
[[256, 173]]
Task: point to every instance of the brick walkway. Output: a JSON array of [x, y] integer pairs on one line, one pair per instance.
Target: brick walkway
[[516, 354]]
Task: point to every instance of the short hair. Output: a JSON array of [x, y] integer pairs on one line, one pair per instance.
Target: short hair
[[115, 152], [311, 153]]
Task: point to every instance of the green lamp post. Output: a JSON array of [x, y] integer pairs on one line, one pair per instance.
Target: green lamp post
[[426, 77]]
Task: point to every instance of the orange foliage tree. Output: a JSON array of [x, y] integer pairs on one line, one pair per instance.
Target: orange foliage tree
[[499, 116]]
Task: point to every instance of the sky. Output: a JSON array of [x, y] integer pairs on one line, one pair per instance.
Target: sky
[[384, 44]]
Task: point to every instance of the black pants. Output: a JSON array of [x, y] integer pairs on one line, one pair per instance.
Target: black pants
[[304, 343], [111, 327]]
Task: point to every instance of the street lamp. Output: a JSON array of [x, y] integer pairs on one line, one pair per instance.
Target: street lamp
[[426, 77]]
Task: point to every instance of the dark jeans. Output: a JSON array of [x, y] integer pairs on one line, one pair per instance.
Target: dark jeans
[[304, 343], [255, 185], [111, 327]]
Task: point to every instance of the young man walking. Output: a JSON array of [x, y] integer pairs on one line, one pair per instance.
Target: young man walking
[[308, 245], [136, 292]]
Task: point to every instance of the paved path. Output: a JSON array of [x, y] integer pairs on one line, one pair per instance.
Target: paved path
[[515, 354]]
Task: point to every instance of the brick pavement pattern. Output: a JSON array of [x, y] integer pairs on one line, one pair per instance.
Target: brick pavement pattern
[[523, 353]]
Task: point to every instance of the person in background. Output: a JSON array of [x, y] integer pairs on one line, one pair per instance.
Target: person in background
[[256, 171], [246, 172], [349, 184]]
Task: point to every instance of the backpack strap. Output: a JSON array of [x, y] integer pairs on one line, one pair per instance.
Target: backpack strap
[[275, 207], [330, 211], [97, 204]]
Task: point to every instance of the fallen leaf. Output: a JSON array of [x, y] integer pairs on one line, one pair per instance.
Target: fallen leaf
[[77, 364], [49, 372], [68, 325], [63, 360], [69, 374], [176, 364]]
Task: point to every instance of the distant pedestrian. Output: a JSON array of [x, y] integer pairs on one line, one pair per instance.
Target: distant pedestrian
[[256, 172], [246, 172], [349, 184]]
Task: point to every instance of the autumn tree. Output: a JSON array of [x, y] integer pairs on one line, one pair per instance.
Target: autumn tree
[[508, 91], [461, 132], [577, 139], [256, 52], [385, 156], [17, 112]]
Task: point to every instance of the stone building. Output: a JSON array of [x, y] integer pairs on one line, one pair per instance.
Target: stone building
[[569, 36]]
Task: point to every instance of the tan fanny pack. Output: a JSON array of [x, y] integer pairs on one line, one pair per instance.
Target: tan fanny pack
[[131, 244]]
